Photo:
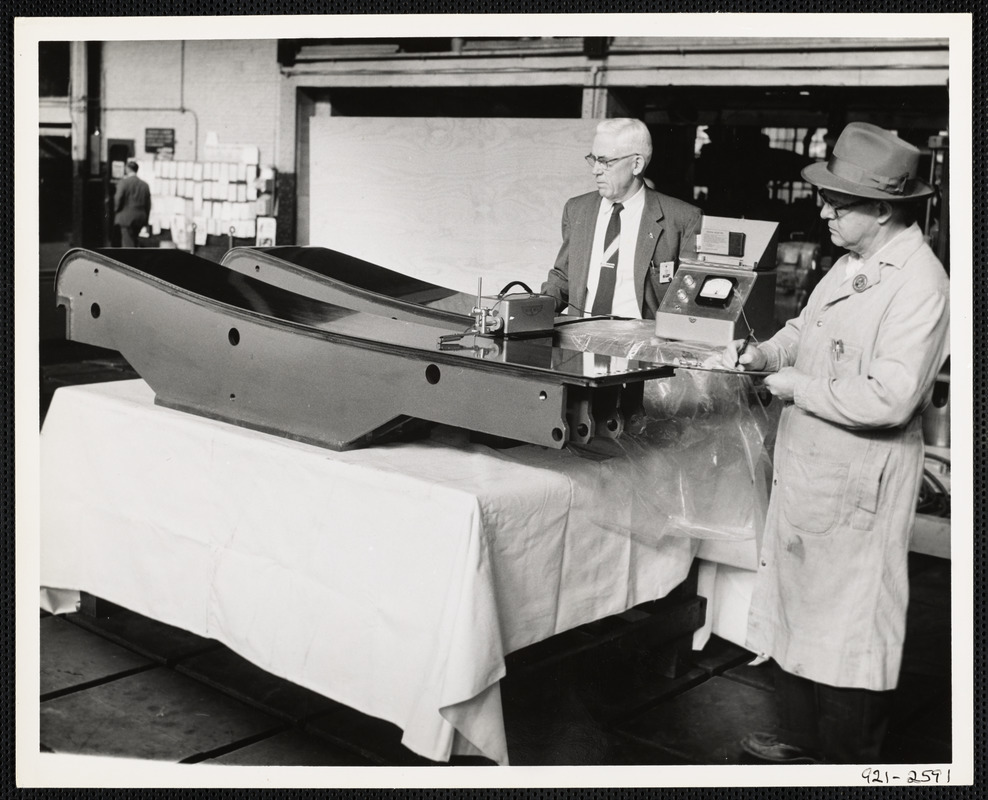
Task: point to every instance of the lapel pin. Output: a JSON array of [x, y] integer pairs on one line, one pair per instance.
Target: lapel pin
[[860, 283]]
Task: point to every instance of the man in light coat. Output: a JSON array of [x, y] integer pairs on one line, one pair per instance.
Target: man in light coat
[[855, 370], [654, 229]]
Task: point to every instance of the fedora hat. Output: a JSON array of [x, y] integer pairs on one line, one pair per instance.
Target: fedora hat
[[871, 162]]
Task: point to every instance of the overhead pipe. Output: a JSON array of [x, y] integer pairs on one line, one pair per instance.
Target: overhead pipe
[[181, 109]]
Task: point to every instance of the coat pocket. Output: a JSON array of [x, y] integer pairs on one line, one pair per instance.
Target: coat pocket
[[813, 492], [845, 359], [870, 481]]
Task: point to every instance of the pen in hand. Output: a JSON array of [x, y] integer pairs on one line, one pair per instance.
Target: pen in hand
[[744, 346]]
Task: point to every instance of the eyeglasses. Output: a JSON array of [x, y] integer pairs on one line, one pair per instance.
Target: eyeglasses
[[838, 207], [605, 163]]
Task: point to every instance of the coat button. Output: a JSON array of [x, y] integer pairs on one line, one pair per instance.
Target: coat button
[[819, 323], [764, 563]]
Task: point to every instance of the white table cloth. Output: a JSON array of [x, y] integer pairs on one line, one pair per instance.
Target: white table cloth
[[393, 579]]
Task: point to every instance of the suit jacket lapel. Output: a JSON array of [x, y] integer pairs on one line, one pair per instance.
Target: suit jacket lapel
[[582, 242], [649, 232]]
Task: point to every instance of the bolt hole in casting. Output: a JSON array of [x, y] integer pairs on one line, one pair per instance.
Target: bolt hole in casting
[[432, 374], [94, 310], [234, 336]]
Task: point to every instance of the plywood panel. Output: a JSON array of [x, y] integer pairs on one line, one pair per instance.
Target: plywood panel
[[447, 200]]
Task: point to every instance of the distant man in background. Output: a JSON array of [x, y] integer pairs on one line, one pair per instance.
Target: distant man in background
[[132, 204], [621, 243]]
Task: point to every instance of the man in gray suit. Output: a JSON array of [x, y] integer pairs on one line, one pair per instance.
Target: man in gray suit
[[132, 204], [621, 243]]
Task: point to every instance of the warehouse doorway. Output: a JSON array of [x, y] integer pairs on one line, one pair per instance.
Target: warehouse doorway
[[55, 190]]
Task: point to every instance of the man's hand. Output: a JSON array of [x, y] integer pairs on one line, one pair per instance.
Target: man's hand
[[751, 359], [782, 384]]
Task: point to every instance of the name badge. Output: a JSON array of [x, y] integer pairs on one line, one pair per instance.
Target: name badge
[[665, 271]]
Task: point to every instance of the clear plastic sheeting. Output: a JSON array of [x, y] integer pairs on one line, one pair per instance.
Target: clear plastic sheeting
[[630, 338], [699, 462]]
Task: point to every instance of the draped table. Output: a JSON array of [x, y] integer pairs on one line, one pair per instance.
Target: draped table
[[394, 579]]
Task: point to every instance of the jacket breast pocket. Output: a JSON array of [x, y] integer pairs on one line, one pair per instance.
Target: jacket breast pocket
[[813, 491], [845, 359]]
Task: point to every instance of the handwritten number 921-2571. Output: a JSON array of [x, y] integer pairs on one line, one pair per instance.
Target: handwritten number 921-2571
[[873, 775]]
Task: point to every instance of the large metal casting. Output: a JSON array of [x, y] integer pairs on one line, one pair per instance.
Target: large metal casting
[[350, 282], [223, 344]]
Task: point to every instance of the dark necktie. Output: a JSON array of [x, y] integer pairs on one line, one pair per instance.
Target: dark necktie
[[604, 298]]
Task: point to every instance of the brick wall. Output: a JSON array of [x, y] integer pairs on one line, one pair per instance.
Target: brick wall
[[229, 88]]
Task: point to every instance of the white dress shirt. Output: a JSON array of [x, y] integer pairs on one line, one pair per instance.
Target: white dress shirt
[[625, 300]]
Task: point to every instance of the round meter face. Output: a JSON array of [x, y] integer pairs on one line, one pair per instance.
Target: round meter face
[[716, 291]]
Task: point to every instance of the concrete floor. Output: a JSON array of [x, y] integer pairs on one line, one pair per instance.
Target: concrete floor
[[124, 685]]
